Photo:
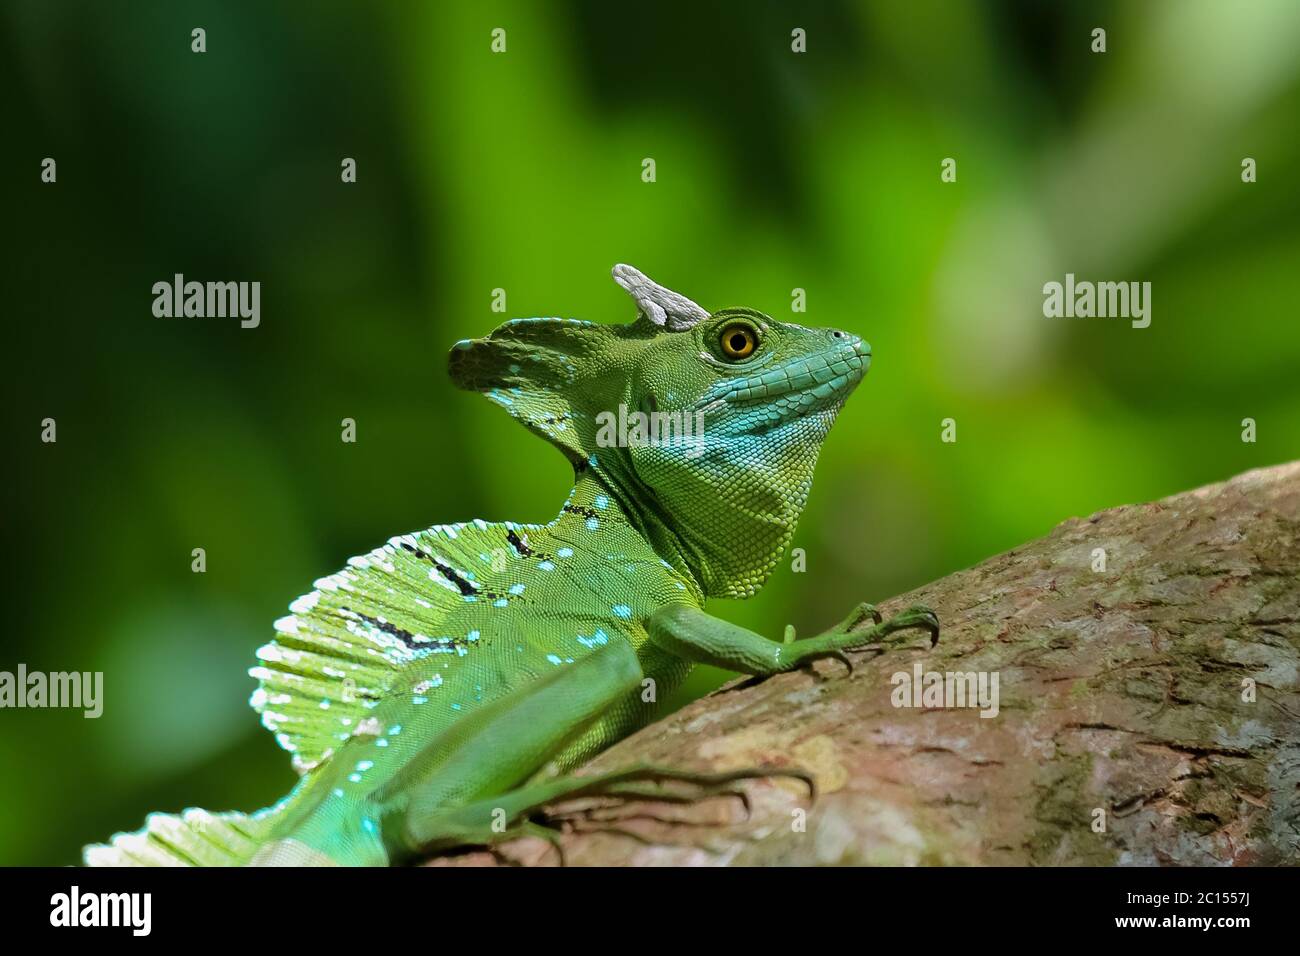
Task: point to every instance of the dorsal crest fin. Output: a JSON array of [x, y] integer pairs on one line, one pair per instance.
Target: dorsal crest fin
[[347, 643]]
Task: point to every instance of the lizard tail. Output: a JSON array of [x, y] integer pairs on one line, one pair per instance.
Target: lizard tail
[[191, 838]]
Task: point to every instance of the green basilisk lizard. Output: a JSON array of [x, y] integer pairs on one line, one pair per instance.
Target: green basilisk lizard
[[437, 692]]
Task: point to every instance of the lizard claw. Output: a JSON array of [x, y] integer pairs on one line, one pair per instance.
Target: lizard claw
[[925, 619], [858, 615]]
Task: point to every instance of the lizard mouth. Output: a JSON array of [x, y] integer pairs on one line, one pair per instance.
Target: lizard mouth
[[799, 386]]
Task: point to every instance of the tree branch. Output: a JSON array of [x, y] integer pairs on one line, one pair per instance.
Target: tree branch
[[1124, 699]]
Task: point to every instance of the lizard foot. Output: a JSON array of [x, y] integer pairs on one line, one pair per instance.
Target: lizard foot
[[846, 636], [633, 797], [542, 809]]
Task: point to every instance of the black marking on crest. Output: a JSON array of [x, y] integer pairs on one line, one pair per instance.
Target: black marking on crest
[[403, 635], [580, 510], [522, 548], [446, 570], [452, 575], [519, 544]]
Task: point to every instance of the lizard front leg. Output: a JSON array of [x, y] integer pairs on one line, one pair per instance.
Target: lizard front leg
[[692, 634]]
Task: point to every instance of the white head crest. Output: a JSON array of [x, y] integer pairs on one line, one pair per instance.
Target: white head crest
[[661, 306]]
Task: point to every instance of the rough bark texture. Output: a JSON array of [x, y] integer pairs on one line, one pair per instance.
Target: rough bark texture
[[1124, 691]]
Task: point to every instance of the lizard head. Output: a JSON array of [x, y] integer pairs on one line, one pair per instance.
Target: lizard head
[[708, 425]]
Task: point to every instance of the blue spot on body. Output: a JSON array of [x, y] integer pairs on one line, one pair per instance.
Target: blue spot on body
[[547, 566], [381, 742], [601, 502], [622, 610], [354, 777], [592, 524], [596, 640], [499, 602], [553, 658], [564, 553], [516, 589], [472, 636]]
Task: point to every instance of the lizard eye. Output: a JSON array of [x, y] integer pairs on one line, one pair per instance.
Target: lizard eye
[[738, 341]]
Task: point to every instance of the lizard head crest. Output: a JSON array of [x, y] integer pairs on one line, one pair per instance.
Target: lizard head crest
[[709, 424]]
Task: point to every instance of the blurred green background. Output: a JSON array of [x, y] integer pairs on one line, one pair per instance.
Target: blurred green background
[[522, 171]]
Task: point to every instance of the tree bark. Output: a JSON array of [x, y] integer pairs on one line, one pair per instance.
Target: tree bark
[[1149, 713]]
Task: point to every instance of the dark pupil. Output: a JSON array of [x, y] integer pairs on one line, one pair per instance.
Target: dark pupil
[[738, 342]]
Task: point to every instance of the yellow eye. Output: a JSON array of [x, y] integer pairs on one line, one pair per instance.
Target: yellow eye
[[738, 341]]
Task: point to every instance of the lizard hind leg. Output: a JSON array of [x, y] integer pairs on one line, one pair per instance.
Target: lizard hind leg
[[423, 805], [481, 782]]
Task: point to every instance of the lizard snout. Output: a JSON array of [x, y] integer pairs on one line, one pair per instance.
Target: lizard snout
[[858, 350], [849, 340]]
